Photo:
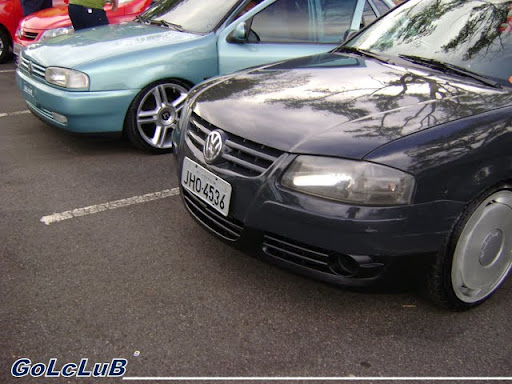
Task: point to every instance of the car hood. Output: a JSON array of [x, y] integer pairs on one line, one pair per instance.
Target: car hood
[[104, 42], [340, 104], [49, 18]]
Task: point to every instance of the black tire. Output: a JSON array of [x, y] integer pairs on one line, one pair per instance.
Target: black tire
[[478, 256], [154, 114], [5, 45]]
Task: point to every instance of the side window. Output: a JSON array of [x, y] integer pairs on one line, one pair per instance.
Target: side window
[[368, 14], [283, 21], [335, 19]]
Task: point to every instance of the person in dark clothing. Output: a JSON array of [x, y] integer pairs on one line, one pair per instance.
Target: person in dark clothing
[[31, 6], [89, 13]]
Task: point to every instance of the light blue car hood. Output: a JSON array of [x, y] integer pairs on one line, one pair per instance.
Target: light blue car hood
[[104, 42]]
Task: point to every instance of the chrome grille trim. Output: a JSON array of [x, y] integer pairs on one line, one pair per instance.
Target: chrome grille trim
[[38, 70], [30, 35], [243, 163], [250, 151], [243, 157], [199, 141], [202, 128]]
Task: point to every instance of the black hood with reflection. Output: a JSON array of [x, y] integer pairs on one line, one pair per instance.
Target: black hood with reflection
[[341, 104]]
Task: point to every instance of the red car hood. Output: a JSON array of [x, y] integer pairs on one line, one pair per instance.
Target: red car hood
[[48, 18]]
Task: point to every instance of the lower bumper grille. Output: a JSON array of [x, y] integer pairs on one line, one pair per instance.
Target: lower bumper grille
[[44, 112], [305, 255], [225, 227]]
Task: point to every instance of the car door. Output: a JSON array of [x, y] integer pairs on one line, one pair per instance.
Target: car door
[[283, 29]]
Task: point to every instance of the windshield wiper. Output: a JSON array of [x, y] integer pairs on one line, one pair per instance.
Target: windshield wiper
[[164, 23], [450, 68], [141, 20], [363, 52]]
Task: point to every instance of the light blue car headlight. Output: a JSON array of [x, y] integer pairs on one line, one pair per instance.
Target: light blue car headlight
[[349, 181], [67, 78], [51, 33]]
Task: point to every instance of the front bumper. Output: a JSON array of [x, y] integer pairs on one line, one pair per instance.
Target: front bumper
[[83, 112], [340, 243]]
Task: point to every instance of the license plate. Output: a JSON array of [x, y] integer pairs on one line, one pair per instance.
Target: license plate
[[207, 186], [28, 90]]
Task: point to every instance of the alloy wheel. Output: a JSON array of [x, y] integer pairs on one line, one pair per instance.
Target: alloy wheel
[[158, 114]]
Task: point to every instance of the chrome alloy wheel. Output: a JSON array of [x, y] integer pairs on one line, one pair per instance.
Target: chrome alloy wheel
[[483, 254], [158, 114]]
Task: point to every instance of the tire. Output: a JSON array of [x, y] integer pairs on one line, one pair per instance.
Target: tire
[[5, 44], [478, 256], [154, 114]]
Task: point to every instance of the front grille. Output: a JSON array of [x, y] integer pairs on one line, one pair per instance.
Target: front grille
[[225, 227], [29, 35], [297, 253], [243, 157], [32, 68]]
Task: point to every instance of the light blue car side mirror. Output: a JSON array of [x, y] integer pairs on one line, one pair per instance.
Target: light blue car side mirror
[[240, 34]]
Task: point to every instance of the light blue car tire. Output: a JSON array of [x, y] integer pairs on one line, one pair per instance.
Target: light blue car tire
[[154, 114]]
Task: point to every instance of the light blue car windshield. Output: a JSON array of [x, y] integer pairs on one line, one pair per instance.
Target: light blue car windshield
[[474, 35], [196, 16]]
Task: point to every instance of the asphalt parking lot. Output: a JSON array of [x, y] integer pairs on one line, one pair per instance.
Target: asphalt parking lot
[[99, 260]]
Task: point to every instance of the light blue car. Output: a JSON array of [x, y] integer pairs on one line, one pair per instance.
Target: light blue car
[[134, 77]]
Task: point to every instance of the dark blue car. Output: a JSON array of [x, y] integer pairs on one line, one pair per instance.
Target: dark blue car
[[397, 145]]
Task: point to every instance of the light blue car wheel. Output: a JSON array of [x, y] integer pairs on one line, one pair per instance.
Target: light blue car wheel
[[154, 114]]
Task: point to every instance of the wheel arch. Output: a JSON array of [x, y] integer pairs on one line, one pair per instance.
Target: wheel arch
[[439, 275], [478, 196]]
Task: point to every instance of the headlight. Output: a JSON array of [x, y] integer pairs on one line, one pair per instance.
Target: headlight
[[67, 78], [51, 33], [355, 182]]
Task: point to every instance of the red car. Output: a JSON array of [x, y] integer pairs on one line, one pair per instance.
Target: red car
[[55, 21], [10, 15]]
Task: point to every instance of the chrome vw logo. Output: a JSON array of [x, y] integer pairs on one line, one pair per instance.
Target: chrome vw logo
[[213, 146], [29, 67]]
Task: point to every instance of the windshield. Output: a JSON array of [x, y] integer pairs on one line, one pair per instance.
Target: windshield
[[196, 16], [475, 35]]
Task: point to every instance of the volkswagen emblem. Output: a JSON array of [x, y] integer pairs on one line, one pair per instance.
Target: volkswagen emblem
[[29, 67], [213, 146]]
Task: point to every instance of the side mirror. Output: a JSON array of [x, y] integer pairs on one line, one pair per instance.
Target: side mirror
[[240, 34]]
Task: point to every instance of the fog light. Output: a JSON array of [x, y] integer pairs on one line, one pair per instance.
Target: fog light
[[344, 265], [59, 118]]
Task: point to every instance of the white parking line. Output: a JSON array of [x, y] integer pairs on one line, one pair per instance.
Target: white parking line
[[7, 70], [56, 217], [14, 113]]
